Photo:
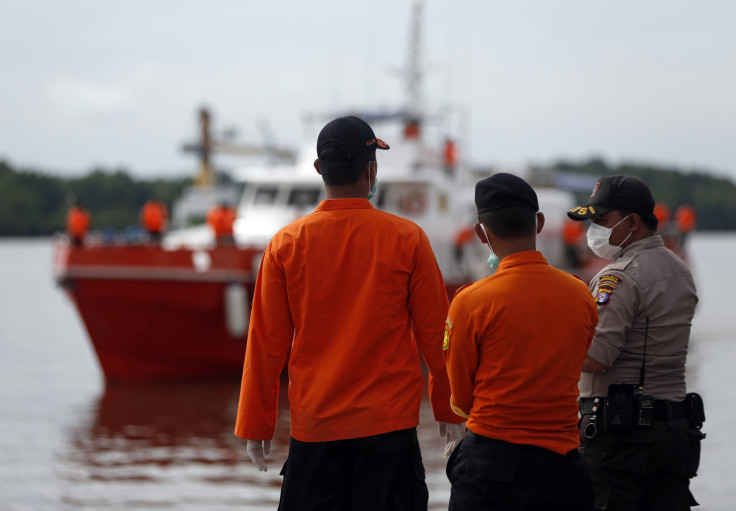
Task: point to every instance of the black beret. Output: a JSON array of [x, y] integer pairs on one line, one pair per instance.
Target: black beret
[[503, 190]]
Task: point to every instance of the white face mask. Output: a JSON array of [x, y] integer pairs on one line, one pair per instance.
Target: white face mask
[[598, 240], [493, 260], [373, 189]]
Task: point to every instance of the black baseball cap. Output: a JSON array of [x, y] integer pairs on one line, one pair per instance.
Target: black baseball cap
[[503, 190], [351, 136], [624, 193]]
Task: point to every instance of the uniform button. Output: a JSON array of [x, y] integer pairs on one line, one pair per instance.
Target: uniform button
[[595, 400], [595, 408]]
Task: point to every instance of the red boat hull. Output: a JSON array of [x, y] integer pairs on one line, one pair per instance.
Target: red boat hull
[[152, 315]]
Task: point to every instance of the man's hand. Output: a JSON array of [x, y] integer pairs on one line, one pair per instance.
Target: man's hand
[[257, 450], [453, 433]]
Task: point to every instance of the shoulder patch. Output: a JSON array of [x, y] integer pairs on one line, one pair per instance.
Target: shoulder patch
[[603, 297], [612, 279], [446, 340], [606, 284]]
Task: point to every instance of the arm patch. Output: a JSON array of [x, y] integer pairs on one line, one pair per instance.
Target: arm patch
[[606, 284]]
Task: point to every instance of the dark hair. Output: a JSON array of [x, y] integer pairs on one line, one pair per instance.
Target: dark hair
[[648, 219], [339, 168], [511, 222]]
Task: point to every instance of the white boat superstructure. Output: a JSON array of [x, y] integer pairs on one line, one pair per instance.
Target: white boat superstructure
[[420, 180], [414, 183]]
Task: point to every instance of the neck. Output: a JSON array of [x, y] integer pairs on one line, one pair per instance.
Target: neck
[[507, 247], [351, 191], [638, 236]]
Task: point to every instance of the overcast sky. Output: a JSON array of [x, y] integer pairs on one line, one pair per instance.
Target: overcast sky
[[117, 84]]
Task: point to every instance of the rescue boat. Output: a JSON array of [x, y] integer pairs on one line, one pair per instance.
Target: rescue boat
[[177, 307]]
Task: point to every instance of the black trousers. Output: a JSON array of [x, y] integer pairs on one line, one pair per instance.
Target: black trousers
[[381, 472], [643, 469], [493, 475]]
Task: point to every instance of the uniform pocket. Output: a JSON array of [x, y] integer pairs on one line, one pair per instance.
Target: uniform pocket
[[479, 482], [492, 470]]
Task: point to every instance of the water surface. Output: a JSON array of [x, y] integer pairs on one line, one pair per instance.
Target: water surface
[[67, 442]]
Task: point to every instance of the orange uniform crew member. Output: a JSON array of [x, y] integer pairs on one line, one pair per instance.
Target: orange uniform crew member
[[349, 292], [221, 219], [77, 224], [515, 342], [154, 215], [686, 218]]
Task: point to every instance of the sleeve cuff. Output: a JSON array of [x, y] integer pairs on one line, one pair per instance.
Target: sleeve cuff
[[458, 410], [603, 353]]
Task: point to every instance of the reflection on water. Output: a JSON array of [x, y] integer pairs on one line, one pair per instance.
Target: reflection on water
[[172, 446], [167, 445]]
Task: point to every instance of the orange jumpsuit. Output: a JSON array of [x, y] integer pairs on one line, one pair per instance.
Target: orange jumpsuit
[[153, 216], [514, 345], [351, 291], [77, 223], [221, 220]]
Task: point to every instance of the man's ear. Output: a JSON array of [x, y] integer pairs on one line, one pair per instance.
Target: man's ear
[[540, 222], [480, 233], [372, 170], [316, 166], [634, 222]]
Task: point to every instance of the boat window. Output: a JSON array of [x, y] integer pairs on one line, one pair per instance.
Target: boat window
[[303, 197], [443, 202], [413, 202], [265, 195]]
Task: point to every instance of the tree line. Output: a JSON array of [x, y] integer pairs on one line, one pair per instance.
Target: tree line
[[34, 203]]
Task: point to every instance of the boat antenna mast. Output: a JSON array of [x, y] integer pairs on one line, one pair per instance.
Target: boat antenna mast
[[414, 74], [207, 145]]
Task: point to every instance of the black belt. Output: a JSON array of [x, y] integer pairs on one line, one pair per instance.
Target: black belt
[[677, 409]]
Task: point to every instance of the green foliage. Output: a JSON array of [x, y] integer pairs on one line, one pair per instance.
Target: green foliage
[[713, 198], [33, 204]]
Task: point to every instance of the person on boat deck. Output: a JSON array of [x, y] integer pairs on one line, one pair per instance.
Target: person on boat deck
[[514, 345], [77, 224], [349, 293], [154, 216], [221, 218], [640, 433]]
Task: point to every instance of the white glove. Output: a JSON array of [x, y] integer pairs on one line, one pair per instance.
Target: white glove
[[453, 433], [257, 449]]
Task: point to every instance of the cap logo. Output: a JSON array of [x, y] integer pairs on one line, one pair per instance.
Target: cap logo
[[597, 185], [582, 210]]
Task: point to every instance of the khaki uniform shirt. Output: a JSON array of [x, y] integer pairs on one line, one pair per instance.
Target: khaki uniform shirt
[[646, 280]]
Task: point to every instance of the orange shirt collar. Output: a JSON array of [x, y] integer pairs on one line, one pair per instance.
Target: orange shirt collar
[[352, 203], [519, 258]]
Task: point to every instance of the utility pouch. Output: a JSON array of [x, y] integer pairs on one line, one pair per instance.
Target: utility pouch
[[694, 437], [620, 407], [695, 410]]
